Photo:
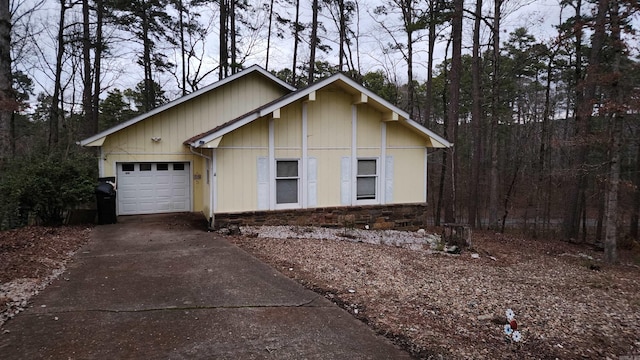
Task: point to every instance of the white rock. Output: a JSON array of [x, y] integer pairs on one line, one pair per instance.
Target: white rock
[[351, 291], [475, 256]]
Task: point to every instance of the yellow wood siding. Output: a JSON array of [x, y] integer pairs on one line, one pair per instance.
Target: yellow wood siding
[[329, 140], [288, 132], [408, 175], [399, 135], [236, 169], [179, 123], [329, 124]]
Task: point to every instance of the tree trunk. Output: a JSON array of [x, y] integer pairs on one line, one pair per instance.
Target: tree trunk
[[183, 56], [233, 37], [314, 41], [343, 35], [149, 86], [453, 111], [611, 222], [224, 54], [571, 217], [431, 46], [7, 100], [97, 62], [296, 40], [635, 214], [476, 118], [90, 126], [495, 118], [266, 62], [407, 10], [443, 170], [542, 154], [54, 111]]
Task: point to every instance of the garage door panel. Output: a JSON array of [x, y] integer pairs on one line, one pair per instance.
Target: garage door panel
[[162, 187]]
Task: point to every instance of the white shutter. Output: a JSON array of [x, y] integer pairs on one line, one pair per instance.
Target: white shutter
[[263, 183], [388, 179], [345, 181], [312, 182]]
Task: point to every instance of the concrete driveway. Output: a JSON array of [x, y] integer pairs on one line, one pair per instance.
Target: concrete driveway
[[161, 287]]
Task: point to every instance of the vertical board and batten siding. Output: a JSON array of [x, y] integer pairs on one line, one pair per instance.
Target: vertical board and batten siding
[[328, 141], [179, 123], [408, 151], [236, 166], [288, 132]]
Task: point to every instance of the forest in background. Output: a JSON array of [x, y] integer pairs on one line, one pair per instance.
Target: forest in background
[[546, 131]]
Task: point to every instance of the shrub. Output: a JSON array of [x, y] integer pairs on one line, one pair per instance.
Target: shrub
[[44, 187]]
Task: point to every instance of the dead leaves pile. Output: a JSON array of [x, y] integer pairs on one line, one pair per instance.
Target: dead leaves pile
[[432, 304]]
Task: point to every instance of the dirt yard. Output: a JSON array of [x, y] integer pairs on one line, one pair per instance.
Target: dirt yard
[[568, 304], [30, 258]]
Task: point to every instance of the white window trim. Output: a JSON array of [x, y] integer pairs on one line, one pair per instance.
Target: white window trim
[[296, 205], [375, 200]]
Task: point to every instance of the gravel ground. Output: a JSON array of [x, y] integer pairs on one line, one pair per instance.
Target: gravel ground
[[568, 304]]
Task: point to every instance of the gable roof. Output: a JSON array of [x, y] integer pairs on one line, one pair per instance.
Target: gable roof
[[338, 79], [98, 138]]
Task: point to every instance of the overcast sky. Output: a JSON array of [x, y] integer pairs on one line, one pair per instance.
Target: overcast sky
[[538, 17]]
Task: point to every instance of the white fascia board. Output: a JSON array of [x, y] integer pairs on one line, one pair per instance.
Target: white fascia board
[[185, 98], [220, 133]]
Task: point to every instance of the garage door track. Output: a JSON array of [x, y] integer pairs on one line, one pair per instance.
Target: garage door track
[[160, 287]]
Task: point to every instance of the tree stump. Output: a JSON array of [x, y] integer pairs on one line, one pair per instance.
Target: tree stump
[[457, 234]]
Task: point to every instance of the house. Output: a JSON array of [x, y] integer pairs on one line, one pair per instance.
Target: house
[[253, 146]]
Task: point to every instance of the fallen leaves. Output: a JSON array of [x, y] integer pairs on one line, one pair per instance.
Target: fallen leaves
[[30, 258], [435, 304]]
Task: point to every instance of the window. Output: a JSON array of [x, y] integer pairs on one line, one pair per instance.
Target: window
[[128, 167], [145, 167], [162, 167], [180, 167], [367, 179], [287, 181]]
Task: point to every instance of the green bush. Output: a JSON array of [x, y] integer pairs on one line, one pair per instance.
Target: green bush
[[44, 188]]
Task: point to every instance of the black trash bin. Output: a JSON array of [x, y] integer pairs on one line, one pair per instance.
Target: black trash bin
[[106, 198]]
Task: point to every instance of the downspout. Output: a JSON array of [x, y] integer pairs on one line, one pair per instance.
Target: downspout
[[211, 214]]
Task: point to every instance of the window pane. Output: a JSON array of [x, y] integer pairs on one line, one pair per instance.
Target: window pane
[[366, 188], [162, 167], [286, 169], [178, 167], [287, 191], [366, 167], [128, 167], [145, 167]]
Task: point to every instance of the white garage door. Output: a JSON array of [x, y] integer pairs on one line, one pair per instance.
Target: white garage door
[[149, 188]]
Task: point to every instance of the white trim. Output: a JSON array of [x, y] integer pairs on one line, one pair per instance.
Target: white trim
[[272, 162], [300, 184], [426, 174], [305, 162], [354, 153], [383, 161], [101, 162], [243, 148], [214, 181], [178, 101], [377, 199]]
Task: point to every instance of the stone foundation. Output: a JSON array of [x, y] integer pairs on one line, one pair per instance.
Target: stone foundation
[[378, 217]]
